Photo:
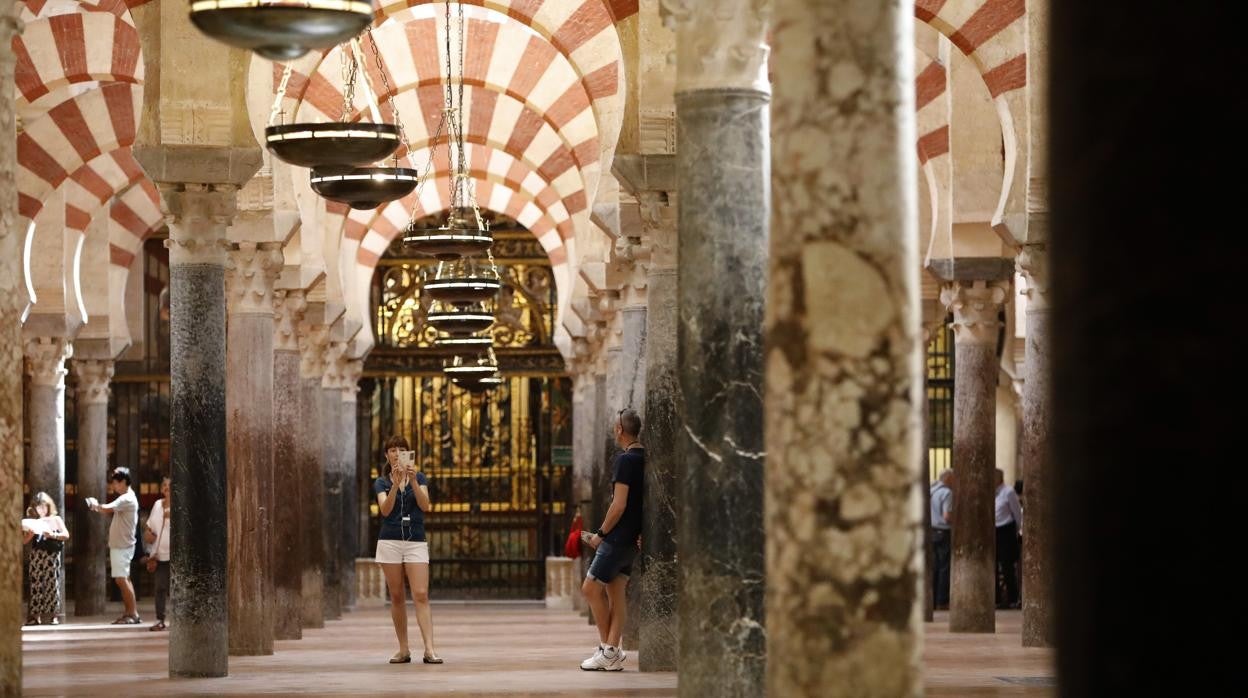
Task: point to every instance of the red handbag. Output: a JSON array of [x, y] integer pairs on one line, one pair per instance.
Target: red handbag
[[572, 548]]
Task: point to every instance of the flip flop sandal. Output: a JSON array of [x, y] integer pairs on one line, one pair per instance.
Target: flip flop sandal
[[401, 658]]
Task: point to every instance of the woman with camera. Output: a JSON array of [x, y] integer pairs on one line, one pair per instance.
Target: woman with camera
[[157, 562], [402, 551], [47, 535]]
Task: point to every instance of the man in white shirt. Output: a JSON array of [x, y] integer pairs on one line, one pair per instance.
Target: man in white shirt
[[942, 541], [1009, 520], [121, 539]]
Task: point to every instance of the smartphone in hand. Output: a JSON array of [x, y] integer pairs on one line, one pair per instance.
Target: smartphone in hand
[[587, 538]]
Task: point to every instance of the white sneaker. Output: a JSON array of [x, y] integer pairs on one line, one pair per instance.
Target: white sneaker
[[597, 662], [615, 663]]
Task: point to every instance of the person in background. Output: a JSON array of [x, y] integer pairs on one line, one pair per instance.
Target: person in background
[[121, 539], [1009, 521], [942, 542], [157, 535], [47, 539]]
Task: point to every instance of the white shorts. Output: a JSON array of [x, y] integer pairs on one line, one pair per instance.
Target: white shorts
[[119, 561], [397, 552]]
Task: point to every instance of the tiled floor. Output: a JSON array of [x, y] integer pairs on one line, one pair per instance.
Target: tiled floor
[[512, 650]]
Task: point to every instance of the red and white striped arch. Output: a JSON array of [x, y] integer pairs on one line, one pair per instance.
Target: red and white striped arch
[[69, 49], [93, 184], [992, 33], [933, 106], [133, 216], [32, 10], [69, 135]]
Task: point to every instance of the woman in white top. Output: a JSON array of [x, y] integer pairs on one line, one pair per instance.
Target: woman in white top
[[47, 534], [157, 535]]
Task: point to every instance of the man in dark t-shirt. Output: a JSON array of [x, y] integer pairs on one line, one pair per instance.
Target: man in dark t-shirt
[[616, 543]]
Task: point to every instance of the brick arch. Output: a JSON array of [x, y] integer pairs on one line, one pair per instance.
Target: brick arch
[[992, 33], [134, 215], [69, 135], [68, 49], [91, 186]]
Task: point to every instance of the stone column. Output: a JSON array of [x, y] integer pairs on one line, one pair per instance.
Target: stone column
[[45, 357], [11, 460], [91, 533], [332, 455], [976, 308], [198, 215], [843, 356], [724, 179], [289, 522], [253, 269], [1037, 468], [349, 531], [658, 621], [310, 467]]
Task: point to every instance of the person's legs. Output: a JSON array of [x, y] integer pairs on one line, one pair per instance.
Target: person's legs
[[619, 609], [418, 578], [398, 603], [942, 547], [596, 595], [162, 589], [127, 596]]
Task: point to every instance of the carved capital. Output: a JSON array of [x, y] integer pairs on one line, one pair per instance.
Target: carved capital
[[658, 229], [335, 366], [94, 378], [1033, 265], [976, 308], [45, 360], [252, 271], [351, 371], [721, 44], [313, 340], [198, 215], [288, 307]]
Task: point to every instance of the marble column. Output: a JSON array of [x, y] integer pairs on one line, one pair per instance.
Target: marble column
[[601, 449], [253, 269], [45, 361], [1037, 468], [348, 462], [976, 308], [11, 461], [91, 534], [724, 179], [656, 611], [198, 215], [310, 469], [332, 449], [288, 508], [843, 356]]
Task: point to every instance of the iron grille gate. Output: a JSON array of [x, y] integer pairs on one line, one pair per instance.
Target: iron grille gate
[[939, 372], [499, 500]]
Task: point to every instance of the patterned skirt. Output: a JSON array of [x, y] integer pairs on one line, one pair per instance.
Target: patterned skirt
[[45, 583]]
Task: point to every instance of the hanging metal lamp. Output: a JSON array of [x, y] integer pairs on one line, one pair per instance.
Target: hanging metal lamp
[[478, 385], [473, 372], [464, 342], [459, 321], [336, 147], [462, 282], [459, 237], [281, 30], [332, 146], [364, 187]]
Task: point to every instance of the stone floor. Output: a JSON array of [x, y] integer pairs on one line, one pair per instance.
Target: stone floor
[[512, 650]]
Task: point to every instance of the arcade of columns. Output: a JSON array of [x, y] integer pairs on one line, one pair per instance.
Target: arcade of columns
[[757, 240]]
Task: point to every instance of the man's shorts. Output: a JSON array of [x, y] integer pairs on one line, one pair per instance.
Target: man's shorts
[[119, 561], [610, 560], [397, 552]]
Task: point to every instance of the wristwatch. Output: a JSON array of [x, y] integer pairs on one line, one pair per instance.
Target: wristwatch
[[598, 532]]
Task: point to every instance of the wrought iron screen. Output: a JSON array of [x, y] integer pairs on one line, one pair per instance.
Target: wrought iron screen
[[939, 368], [499, 484]]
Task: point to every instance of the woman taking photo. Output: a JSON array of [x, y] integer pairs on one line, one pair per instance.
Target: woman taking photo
[[45, 560], [403, 496], [157, 562]]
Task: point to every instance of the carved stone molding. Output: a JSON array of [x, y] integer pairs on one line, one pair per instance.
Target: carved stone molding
[[351, 370], [335, 366], [288, 308], [94, 378], [976, 308], [253, 269], [658, 227], [197, 215], [721, 44], [1033, 264], [313, 340], [45, 360]]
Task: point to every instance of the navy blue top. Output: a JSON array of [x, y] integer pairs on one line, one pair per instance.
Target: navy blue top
[[392, 526], [630, 469]]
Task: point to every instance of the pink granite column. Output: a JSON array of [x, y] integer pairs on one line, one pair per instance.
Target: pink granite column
[[249, 432]]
